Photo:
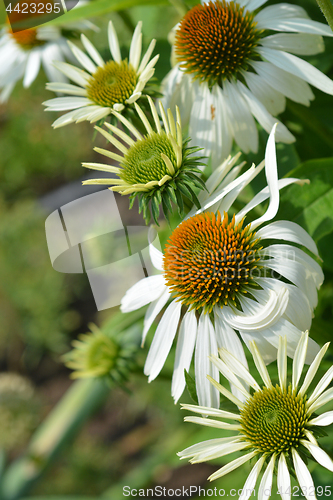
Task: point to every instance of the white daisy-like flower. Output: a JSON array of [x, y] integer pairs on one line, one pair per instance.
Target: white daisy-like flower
[[22, 53], [102, 86], [275, 424], [220, 270], [230, 71]]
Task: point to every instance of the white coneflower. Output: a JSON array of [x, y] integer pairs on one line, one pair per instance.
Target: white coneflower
[[157, 168], [230, 69], [22, 53], [102, 86], [275, 424], [218, 269]]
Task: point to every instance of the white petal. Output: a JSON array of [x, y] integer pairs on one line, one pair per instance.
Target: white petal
[[63, 120], [263, 195], [232, 465], [289, 85], [153, 310], [202, 120], [282, 362], [321, 386], [303, 476], [156, 257], [299, 68], [251, 480], [136, 46], [162, 341], [322, 400], [77, 75], [302, 45], [289, 231], [113, 43], [299, 25], [267, 350], [205, 446], [65, 103], [240, 118], [50, 54], [230, 376], [319, 455], [143, 292], [272, 99], [222, 141], [299, 359], [32, 67], [146, 57], [238, 368], [272, 181], [264, 314], [184, 352], [82, 58], [255, 4], [94, 54], [313, 369], [219, 451], [212, 412], [260, 365], [323, 419], [265, 119], [283, 478], [207, 394], [67, 88], [279, 12], [265, 488]]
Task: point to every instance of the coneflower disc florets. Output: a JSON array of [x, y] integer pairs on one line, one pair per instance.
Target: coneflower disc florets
[[274, 419], [214, 41], [113, 83], [209, 260]]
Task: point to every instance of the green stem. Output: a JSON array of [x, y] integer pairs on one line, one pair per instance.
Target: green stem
[[327, 9]]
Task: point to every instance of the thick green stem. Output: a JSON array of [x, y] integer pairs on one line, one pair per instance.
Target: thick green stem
[[327, 9]]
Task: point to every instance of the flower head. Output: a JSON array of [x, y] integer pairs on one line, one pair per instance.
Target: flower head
[[274, 424], [229, 69], [102, 86], [22, 53], [219, 271], [157, 167], [101, 354]]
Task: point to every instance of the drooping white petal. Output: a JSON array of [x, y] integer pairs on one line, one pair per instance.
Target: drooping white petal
[[272, 99], [222, 140], [303, 475], [300, 44], [265, 119], [319, 454], [156, 257], [289, 85], [228, 338], [184, 352], [206, 345], [283, 478], [113, 43], [265, 488], [267, 350], [162, 341], [299, 68], [232, 465], [240, 118], [153, 310], [143, 292], [255, 4], [202, 119], [251, 480], [32, 67], [299, 359], [289, 231]]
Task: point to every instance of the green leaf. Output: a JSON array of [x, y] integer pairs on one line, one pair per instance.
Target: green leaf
[[99, 8], [190, 385], [311, 206]]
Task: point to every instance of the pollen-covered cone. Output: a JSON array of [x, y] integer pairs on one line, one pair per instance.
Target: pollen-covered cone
[[158, 168], [271, 424], [102, 86], [232, 69], [224, 282]]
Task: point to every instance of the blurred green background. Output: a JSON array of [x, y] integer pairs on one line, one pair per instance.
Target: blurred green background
[[133, 434]]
